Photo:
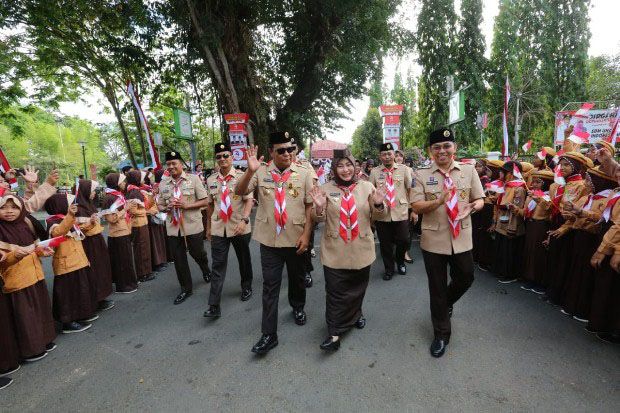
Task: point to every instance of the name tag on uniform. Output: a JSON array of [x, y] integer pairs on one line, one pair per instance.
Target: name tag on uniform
[[267, 179], [381, 175], [432, 181], [335, 194], [213, 186]]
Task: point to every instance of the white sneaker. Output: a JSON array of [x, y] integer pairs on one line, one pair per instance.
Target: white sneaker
[[313, 253]]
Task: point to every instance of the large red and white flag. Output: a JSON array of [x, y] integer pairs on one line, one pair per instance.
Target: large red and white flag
[[579, 137], [133, 95], [582, 112], [505, 119], [527, 146], [5, 167]]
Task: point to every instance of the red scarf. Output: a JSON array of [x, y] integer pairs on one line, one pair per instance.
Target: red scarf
[[510, 184], [225, 205], [280, 213], [560, 192], [348, 214], [610, 206], [389, 186], [120, 196]]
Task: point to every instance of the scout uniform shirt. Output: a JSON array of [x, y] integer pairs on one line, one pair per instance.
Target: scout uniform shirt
[[360, 252], [402, 176], [192, 190], [610, 245], [506, 222], [436, 235], [218, 227], [573, 190], [297, 194]]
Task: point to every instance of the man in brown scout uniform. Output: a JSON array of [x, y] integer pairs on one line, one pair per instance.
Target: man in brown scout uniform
[[181, 196], [283, 224], [447, 193], [228, 223], [393, 228]]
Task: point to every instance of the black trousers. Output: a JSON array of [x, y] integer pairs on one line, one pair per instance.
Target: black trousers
[[393, 234], [195, 245], [307, 255], [272, 262], [444, 295], [219, 255]]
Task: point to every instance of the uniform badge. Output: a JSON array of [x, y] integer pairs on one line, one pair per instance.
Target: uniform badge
[[293, 192], [236, 197], [463, 195], [213, 186], [290, 185], [267, 179], [432, 181], [335, 194]]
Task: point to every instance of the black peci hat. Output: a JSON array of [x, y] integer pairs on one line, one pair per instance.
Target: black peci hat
[[221, 147], [280, 137], [170, 156], [440, 135], [387, 147]]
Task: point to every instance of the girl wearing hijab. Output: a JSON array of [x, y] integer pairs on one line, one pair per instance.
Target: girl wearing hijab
[[9, 356], [346, 205], [72, 303], [24, 283], [119, 235], [94, 246], [157, 231], [139, 227]]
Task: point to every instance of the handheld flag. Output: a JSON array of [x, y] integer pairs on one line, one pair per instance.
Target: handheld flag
[[5, 167], [496, 186], [527, 146], [579, 137], [542, 154], [557, 176], [582, 112], [53, 242]]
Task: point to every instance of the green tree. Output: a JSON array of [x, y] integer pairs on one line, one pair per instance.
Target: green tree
[[404, 93], [368, 136], [603, 81]]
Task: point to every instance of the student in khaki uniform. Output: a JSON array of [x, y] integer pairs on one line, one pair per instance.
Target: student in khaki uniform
[[393, 229], [282, 228], [509, 225], [229, 223], [347, 246], [137, 203], [182, 195], [447, 193]]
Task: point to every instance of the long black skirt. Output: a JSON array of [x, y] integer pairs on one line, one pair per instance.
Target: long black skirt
[[605, 309], [9, 350], [72, 300], [100, 273], [508, 257], [141, 241], [32, 318], [121, 259], [558, 263], [481, 238], [577, 295], [534, 253], [345, 290], [157, 234]]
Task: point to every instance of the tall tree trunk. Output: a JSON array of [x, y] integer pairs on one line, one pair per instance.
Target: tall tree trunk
[[111, 96]]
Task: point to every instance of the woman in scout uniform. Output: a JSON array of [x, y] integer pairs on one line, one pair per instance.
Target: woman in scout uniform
[[229, 223], [346, 205], [282, 227], [509, 225], [604, 317], [569, 188], [537, 214], [157, 233], [481, 221], [24, 283], [587, 228], [72, 304], [140, 237], [119, 235], [94, 245]]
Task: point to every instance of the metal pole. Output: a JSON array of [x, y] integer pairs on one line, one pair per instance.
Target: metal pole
[[517, 123], [84, 157]]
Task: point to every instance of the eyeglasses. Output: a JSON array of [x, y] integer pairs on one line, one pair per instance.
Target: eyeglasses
[[222, 156], [282, 151], [445, 147]]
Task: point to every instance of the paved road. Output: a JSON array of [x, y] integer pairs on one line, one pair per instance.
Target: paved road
[[509, 352]]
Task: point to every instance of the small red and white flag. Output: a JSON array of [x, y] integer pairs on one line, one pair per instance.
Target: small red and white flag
[[496, 186], [556, 158], [527, 146], [468, 161], [610, 206], [582, 112], [5, 167], [516, 173], [557, 176], [77, 190], [52, 242], [579, 137], [542, 154]]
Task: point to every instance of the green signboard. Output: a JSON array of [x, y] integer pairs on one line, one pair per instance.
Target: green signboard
[[182, 123]]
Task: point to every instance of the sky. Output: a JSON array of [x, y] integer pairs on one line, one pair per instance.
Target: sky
[[605, 40]]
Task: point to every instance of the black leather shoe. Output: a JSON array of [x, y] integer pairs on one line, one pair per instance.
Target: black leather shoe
[[181, 297], [438, 348], [207, 276], [409, 260], [5, 382], [330, 344], [246, 294], [308, 280], [300, 317], [146, 278], [214, 311], [402, 269], [266, 343], [450, 310], [360, 323], [387, 276]]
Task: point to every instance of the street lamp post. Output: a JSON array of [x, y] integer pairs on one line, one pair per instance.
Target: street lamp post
[[83, 145]]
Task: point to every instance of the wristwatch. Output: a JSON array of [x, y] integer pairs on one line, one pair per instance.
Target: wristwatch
[[246, 220]]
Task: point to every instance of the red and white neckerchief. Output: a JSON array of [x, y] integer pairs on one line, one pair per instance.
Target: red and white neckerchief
[[389, 186], [177, 216], [348, 214], [225, 204], [279, 212], [531, 206], [120, 201], [79, 235], [559, 194], [596, 197], [452, 205], [610, 206], [515, 183]]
